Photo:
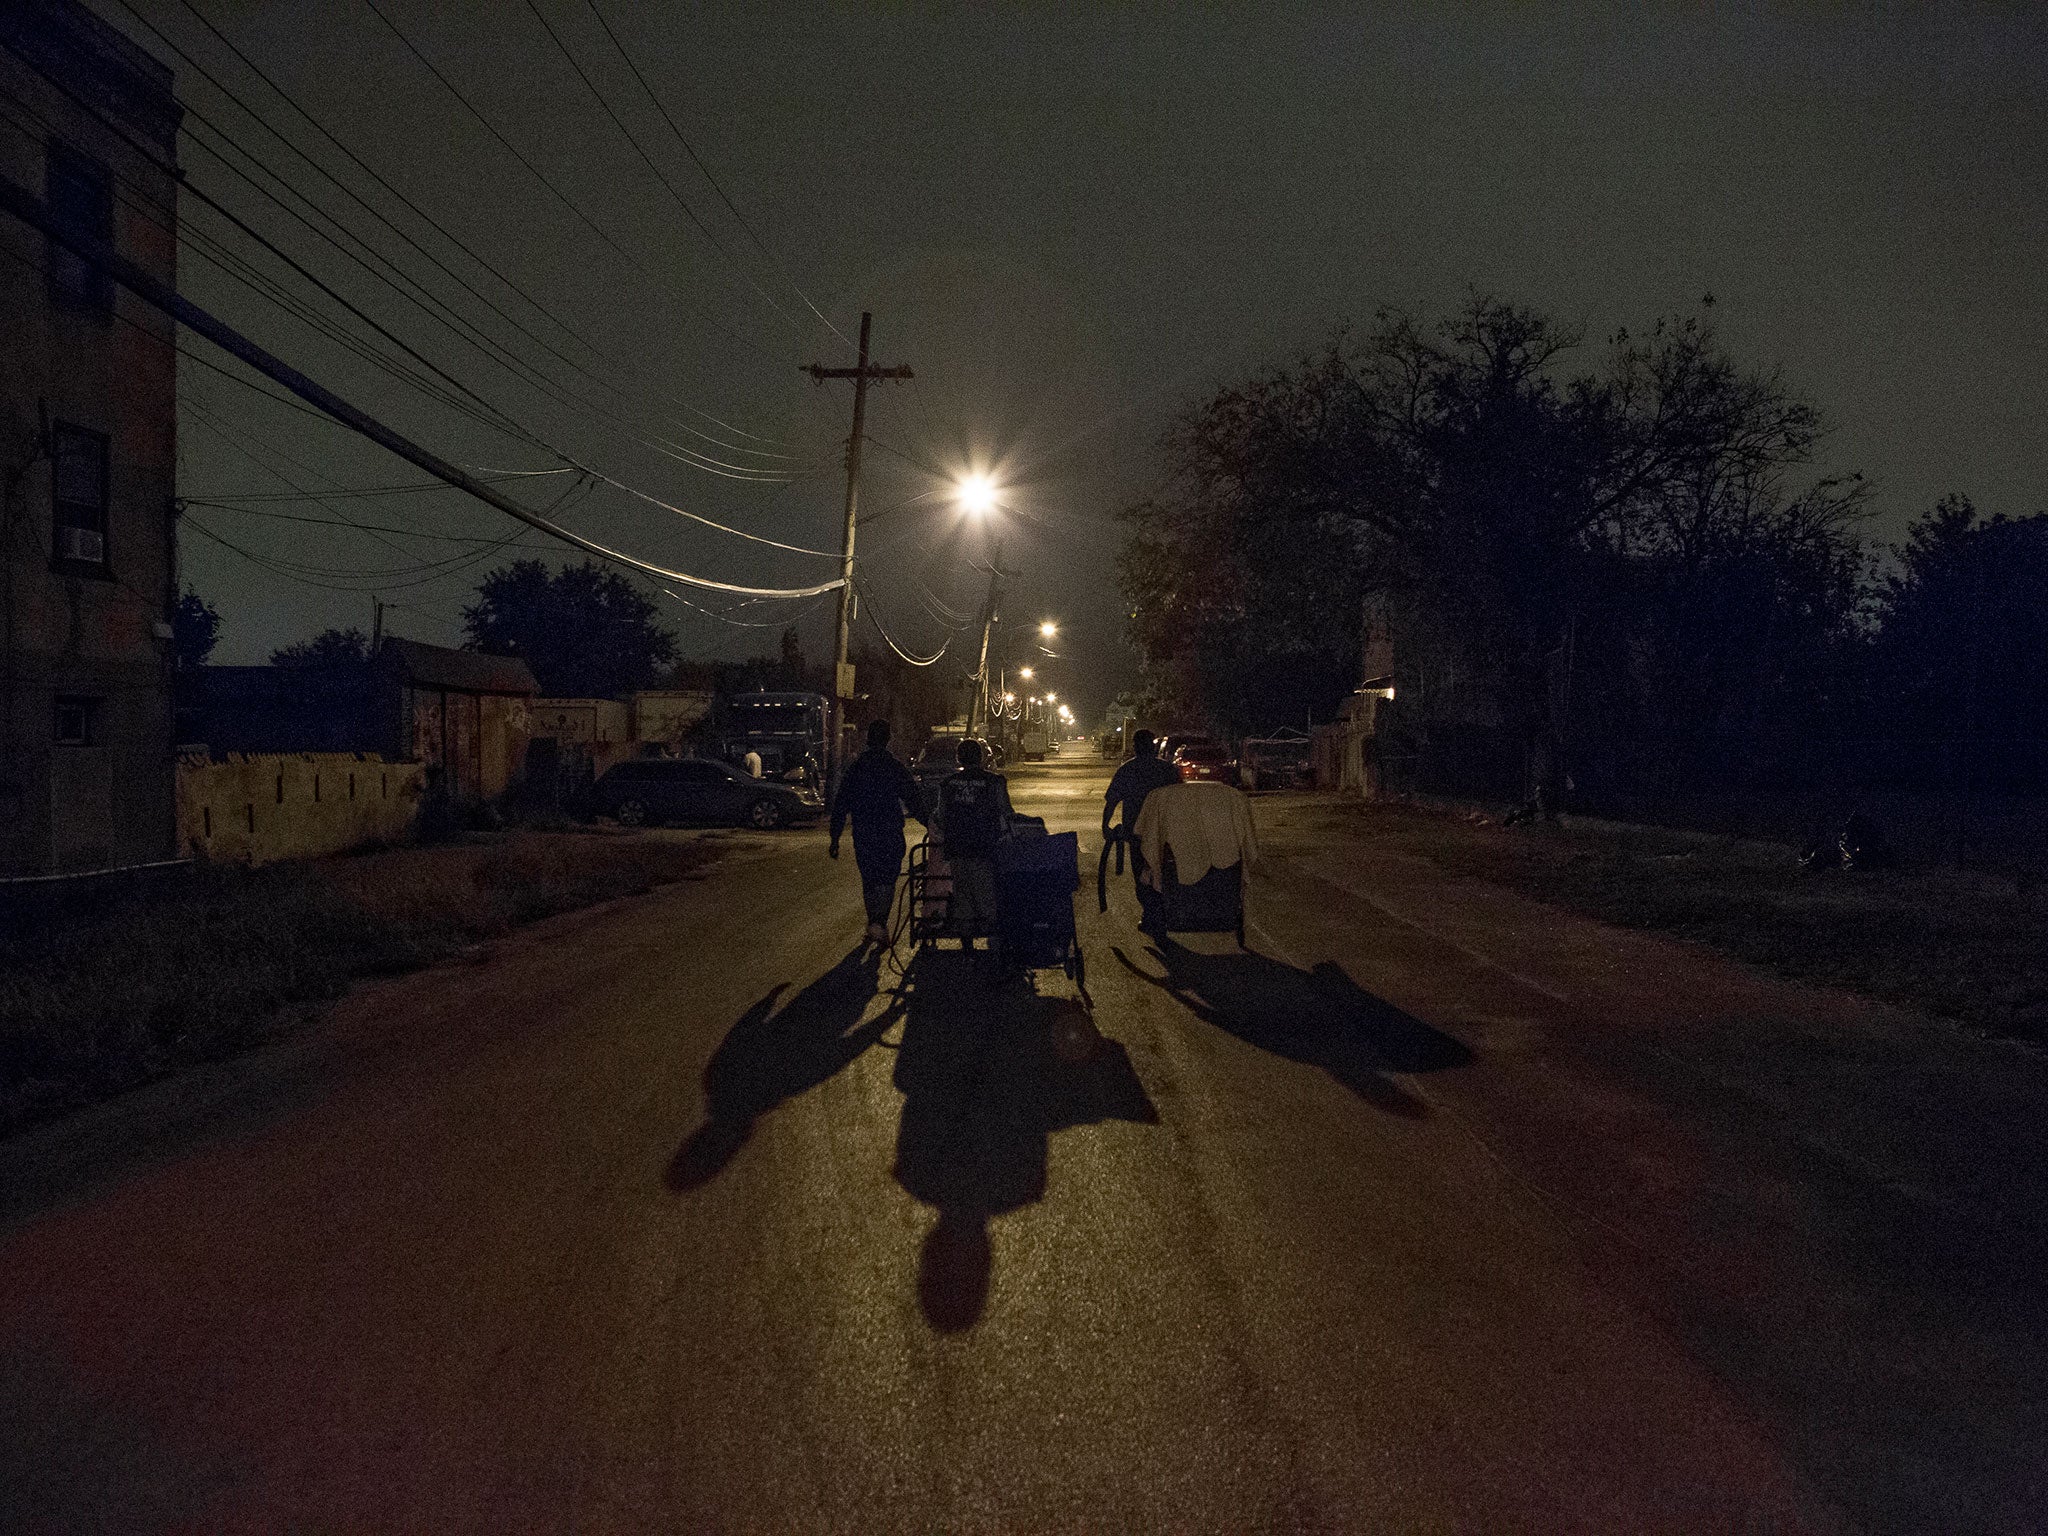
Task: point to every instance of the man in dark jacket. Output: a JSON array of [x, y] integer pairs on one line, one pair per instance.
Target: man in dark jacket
[[876, 793], [971, 815], [1136, 779]]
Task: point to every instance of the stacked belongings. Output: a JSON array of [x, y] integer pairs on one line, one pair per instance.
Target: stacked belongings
[[1037, 874], [1197, 843]]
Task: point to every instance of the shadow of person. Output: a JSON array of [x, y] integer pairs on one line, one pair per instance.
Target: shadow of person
[[774, 1053], [983, 1091], [1320, 1017]]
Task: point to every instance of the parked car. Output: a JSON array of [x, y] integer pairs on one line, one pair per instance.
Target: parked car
[[649, 791], [1205, 760]]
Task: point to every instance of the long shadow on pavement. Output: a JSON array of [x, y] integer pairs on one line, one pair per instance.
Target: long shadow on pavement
[[771, 1054], [983, 1092], [1320, 1017]]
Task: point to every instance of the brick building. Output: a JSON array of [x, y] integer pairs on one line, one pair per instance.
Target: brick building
[[88, 451]]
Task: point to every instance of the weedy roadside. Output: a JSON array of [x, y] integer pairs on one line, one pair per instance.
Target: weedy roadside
[[99, 999]]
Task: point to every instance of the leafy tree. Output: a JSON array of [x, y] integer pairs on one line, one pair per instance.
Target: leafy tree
[[329, 648], [585, 631], [195, 631], [1960, 655], [1619, 536]]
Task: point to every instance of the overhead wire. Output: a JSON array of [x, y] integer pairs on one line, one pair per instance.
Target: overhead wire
[[695, 517], [660, 175], [698, 160], [541, 176], [875, 618], [24, 205], [260, 283], [483, 410], [240, 508], [261, 461], [425, 217]]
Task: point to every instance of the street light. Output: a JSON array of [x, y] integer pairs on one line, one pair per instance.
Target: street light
[[977, 494], [1052, 698], [1025, 673], [1048, 629]]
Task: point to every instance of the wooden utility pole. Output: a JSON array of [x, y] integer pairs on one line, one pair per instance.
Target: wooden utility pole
[[842, 670], [978, 701]]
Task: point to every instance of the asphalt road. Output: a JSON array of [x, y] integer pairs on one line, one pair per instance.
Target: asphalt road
[[677, 1215]]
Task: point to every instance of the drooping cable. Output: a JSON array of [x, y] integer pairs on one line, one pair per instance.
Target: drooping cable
[[698, 160], [425, 217]]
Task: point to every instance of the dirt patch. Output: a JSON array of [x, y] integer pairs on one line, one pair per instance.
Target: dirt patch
[[1963, 945], [100, 1001]]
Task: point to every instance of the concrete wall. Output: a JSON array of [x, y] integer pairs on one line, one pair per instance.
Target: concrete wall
[[256, 807], [69, 630]]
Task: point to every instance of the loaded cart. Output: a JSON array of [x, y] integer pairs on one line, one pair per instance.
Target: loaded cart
[[1196, 846], [1037, 875], [1036, 878]]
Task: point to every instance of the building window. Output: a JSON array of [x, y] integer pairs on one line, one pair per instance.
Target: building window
[[80, 194], [75, 721], [78, 491]]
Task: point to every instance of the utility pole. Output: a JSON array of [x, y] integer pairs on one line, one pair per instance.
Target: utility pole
[[978, 701], [376, 624], [842, 671]]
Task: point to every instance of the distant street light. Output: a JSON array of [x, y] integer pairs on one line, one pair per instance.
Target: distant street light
[[1052, 698], [1048, 629], [1025, 673]]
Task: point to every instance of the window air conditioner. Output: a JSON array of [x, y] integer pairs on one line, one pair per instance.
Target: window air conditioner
[[85, 544]]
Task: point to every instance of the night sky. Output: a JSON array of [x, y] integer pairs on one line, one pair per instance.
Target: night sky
[[1067, 222]]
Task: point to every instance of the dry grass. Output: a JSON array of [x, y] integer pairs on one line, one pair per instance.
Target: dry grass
[[138, 986], [1960, 944]]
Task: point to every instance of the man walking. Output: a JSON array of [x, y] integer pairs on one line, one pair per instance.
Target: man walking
[[1128, 788], [875, 793], [973, 808]]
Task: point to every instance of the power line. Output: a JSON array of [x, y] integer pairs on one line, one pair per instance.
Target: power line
[[698, 518], [17, 200], [504, 424], [426, 217], [260, 283], [241, 508], [677, 197], [875, 618], [698, 160], [541, 176]]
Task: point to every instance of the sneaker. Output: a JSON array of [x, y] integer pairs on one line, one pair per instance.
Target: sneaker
[[877, 934]]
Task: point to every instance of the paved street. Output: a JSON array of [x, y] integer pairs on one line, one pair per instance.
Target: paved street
[[675, 1215]]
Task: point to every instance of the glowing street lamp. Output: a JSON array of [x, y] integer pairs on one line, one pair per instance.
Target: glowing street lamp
[[1025, 673], [1047, 629], [1052, 698], [977, 494]]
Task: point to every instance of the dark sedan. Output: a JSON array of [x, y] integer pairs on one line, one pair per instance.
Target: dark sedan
[[649, 791], [1205, 760]]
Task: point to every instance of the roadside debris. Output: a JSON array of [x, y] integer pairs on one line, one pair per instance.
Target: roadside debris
[[1859, 845]]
